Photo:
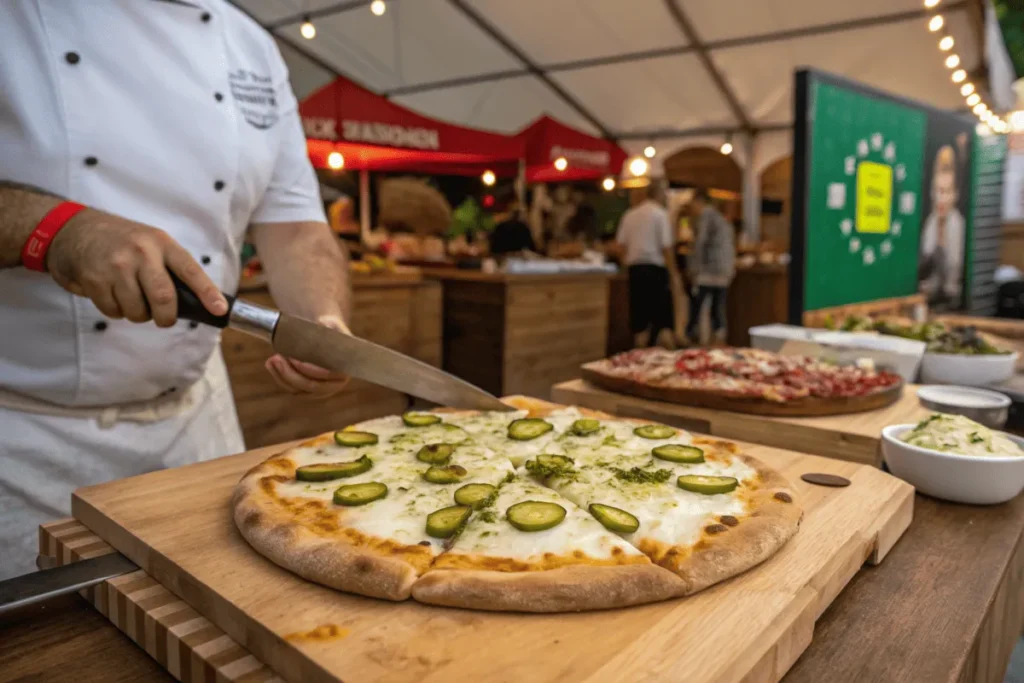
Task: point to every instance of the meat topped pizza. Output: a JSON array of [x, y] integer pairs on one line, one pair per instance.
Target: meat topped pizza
[[748, 377], [541, 509]]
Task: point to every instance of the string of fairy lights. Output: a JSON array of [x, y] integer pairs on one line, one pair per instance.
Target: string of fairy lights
[[958, 75]]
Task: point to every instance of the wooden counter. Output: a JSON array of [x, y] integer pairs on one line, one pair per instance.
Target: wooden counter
[[519, 334], [853, 437], [944, 607], [758, 295], [402, 312]]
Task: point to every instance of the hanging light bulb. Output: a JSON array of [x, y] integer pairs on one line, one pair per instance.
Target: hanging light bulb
[[931, 3], [959, 76], [649, 151], [979, 107], [952, 61], [935, 23], [488, 177], [638, 166], [608, 184], [966, 89], [726, 147], [561, 163], [973, 99], [335, 160], [946, 43], [378, 7], [307, 29]]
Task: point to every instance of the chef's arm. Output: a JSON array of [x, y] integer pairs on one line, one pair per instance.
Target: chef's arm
[[307, 272], [121, 265]]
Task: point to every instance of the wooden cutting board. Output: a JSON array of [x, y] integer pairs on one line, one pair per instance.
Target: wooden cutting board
[[847, 437], [176, 525]]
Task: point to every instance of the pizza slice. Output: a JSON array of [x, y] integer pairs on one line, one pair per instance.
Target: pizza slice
[[349, 509], [528, 549]]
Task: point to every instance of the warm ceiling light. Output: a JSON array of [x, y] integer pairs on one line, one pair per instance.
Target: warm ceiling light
[[561, 163], [335, 161], [638, 167], [931, 3], [979, 107], [649, 151], [986, 116], [959, 76], [488, 178], [726, 147], [307, 29], [966, 89], [1017, 120], [946, 43], [973, 99], [608, 184], [952, 61], [935, 23], [378, 7]]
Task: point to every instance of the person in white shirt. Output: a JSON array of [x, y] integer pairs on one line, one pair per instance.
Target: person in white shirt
[[173, 123], [647, 241]]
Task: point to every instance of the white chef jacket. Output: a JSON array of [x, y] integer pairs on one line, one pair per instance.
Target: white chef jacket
[[173, 113]]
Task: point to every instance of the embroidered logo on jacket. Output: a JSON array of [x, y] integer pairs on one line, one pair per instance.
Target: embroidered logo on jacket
[[255, 97]]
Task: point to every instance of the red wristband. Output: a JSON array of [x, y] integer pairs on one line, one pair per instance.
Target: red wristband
[[33, 254]]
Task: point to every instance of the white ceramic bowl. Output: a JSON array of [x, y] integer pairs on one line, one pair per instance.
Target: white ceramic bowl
[[973, 371], [988, 407], [959, 478]]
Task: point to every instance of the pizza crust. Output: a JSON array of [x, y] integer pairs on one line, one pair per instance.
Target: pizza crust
[[566, 589]]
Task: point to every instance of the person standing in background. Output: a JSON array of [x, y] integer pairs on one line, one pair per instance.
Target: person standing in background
[[511, 234], [711, 265], [647, 240], [941, 269]]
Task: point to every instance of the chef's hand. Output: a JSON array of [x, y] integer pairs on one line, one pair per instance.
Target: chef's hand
[[297, 377], [122, 266]]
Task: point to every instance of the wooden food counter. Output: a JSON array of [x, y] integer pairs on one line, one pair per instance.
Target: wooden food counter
[[401, 311], [519, 334], [758, 295]]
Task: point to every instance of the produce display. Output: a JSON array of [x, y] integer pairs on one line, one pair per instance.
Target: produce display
[[939, 337], [960, 435], [742, 378], [539, 509]]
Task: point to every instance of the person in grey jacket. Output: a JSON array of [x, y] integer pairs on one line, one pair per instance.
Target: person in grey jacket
[[711, 265]]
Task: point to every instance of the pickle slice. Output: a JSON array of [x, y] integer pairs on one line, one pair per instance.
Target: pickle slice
[[585, 427], [614, 519], [678, 453], [435, 453], [474, 495], [412, 419], [355, 439], [333, 470], [655, 432], [359, 494], [533, 515], [707, 484], [445, 522], [446, 474], [558, 462], [528, 428]]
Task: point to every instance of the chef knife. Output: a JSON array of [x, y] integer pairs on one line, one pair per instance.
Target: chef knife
[[29, 589], [307, 341]]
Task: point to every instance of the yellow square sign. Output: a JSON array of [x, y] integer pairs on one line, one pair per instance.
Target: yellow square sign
[[874, 197]]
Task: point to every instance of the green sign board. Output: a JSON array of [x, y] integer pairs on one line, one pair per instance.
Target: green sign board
[[863, 198]]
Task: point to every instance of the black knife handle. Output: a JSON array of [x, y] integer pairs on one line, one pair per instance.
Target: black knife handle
[[191, 308]]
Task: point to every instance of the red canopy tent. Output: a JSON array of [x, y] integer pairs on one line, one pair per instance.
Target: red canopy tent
[[375, 134], [587, 157]]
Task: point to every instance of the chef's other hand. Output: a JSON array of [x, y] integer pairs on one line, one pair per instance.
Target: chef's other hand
[[122, 266], [297, 377]]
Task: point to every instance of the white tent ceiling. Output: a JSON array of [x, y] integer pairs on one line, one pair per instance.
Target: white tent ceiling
[[638, 70]]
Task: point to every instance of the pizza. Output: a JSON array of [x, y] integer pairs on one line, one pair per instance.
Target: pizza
[[543, 508], [743, 374]]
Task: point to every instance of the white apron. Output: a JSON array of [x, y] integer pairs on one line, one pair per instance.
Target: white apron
[[47, 456]]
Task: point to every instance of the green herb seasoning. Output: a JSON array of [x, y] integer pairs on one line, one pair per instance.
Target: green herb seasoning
[[637, 475]]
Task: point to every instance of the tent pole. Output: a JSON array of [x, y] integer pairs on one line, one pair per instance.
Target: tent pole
[[364, 205], [751, 190]]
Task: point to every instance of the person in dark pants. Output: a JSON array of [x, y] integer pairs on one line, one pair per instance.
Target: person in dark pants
[[712, 265], [646, 238], [511, 234]]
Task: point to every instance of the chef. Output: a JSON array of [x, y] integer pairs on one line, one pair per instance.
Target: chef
[[138, 138]]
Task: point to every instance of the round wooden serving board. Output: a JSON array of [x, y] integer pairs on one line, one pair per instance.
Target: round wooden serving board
[[804, 407]]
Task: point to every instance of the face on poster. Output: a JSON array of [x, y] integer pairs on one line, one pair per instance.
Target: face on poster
[[942, 254]]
